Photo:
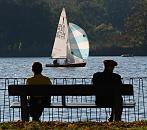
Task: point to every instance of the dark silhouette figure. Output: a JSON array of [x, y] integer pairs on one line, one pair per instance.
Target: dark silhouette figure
[[37, 102], [110, 84], [55, 62]]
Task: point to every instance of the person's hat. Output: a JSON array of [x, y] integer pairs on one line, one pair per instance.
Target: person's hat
[[110, 63]]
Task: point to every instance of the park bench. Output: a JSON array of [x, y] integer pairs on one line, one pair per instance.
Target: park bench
[[62, 90]]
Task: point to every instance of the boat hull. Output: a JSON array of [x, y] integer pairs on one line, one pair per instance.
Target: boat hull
[[127, 55], [67, 65]]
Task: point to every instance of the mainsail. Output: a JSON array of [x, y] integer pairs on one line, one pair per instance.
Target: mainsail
[[60, 44]]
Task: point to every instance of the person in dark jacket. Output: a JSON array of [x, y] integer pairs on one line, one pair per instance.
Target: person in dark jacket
[[109, 83]]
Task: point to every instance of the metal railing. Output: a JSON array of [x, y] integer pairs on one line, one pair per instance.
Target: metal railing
[[75, 114]]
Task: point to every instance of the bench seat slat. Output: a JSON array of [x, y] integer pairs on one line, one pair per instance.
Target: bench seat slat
[[129, 104], [75, 105]]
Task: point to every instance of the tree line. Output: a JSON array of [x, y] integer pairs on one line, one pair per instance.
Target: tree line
[[28, 27]]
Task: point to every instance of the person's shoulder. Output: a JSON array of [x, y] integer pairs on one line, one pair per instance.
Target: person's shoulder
[[116, 75], [29, 78], [45, 77], [97, 73]]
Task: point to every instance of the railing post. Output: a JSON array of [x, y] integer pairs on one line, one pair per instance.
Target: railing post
[[63, 101]]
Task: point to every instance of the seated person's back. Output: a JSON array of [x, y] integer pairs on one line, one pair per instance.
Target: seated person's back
[[108, 89], [37, 103], [107, 83], [38, 79]]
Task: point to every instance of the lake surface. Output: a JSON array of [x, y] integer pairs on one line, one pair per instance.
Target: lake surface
[[21, 67], [128, 67]]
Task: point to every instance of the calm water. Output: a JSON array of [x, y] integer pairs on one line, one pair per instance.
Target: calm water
[[21, 67], [127, 67]]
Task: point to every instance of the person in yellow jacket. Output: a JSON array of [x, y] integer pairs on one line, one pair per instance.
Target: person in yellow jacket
[[36, 104]]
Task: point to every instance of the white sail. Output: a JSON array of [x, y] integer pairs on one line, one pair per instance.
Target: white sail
[[79, 43], [60, 44], [71, 46]]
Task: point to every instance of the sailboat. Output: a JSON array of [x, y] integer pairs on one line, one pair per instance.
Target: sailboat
[[71, 45]]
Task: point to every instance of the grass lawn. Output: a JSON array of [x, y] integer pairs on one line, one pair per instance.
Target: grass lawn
[[19, 125]]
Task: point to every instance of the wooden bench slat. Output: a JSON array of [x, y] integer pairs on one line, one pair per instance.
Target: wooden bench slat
[[60, 90], [129, 104], [50, 90], [75, 105]]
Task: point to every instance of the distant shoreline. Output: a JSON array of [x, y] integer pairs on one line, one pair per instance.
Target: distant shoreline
[[49, 56]]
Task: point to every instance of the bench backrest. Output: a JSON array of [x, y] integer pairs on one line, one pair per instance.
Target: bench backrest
[[60, 90]]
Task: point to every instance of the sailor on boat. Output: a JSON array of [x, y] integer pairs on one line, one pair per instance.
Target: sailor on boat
[[55, 62], [66, 61]]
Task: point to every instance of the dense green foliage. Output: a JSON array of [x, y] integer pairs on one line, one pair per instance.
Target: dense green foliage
[[28, 27]]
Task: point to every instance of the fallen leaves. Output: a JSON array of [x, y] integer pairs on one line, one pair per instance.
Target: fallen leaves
[[19, 125]]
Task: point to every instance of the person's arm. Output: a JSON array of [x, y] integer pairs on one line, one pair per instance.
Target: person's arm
[[49, 81], [118, 84], [27, 82], [94, 79]]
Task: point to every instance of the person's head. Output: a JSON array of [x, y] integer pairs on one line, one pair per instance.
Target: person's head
[[37, 68], [109, 65]]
